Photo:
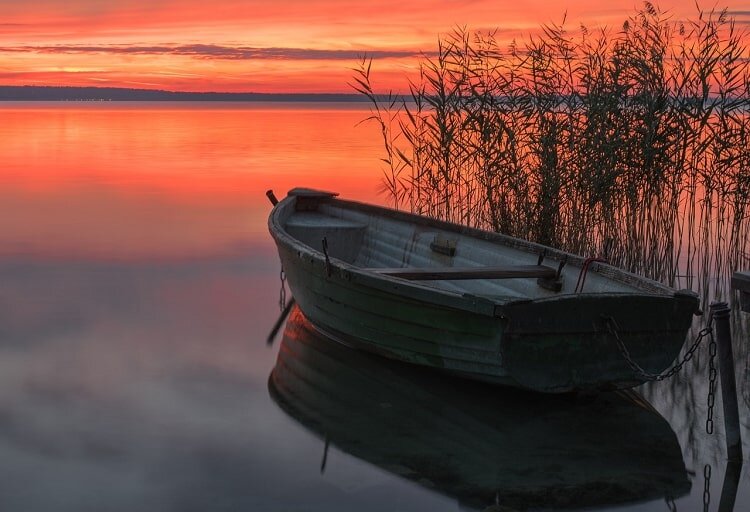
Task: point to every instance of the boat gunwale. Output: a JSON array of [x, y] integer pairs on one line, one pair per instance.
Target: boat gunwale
[[412, 289], [451, 299]]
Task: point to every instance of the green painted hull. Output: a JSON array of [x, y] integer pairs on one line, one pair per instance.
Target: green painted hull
[[552, 344]]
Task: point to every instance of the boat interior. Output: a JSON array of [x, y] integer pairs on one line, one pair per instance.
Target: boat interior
[[449, 257]]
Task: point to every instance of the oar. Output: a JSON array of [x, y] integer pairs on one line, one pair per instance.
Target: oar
[[279, 322], [271, 197], [325, 457], [285, 312]]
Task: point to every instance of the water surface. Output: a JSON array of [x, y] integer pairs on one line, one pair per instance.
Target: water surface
[[138, 287]]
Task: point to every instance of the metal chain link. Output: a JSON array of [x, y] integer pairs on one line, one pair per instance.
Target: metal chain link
[[711, 385], [706, 487], [282, 290], [612, 328]]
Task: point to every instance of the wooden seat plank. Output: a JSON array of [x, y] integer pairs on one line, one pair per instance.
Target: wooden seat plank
[[462, 273]]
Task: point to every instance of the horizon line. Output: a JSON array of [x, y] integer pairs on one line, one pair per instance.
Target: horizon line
[[30, 92]]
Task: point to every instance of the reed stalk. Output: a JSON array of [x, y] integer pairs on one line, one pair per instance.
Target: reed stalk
[[632, 143]]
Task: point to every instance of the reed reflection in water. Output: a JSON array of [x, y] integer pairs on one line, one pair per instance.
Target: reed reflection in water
[[478, 444]]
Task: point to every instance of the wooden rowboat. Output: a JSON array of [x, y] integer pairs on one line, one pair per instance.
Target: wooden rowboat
[[475, 444], [479, 304]]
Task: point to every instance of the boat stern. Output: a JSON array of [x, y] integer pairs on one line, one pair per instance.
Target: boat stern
[[576, 342]]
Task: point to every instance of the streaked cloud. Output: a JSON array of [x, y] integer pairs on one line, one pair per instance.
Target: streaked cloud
[[262, 46], [214, 51], [740, 17]]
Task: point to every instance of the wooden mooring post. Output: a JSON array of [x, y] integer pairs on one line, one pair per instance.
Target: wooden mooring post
[[741, 282], [722, 329]]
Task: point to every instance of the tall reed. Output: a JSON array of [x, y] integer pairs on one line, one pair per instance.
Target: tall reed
[[633, 144]]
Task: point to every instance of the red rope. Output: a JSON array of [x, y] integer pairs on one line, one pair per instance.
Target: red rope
[[585, 270]]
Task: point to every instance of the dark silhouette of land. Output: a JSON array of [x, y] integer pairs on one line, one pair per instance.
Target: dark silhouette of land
[[52, 93]]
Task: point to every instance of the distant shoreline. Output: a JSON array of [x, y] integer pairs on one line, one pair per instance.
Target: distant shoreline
[[52, 93]]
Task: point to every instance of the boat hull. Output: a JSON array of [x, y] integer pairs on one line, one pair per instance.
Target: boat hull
[[551, 346], [555, 344]]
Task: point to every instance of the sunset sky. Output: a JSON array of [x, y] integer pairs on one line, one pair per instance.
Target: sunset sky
[[263, 45]]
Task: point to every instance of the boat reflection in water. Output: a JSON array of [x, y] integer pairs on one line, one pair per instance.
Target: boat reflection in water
[[479, 444]]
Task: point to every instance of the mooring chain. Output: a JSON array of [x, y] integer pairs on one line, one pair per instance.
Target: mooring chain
[[282, 290], [613, 330], [706, 487], [711, 385]]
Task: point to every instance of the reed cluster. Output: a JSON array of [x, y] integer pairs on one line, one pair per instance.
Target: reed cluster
[[632, 144]]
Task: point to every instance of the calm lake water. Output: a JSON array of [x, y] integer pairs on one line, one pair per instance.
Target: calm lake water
[[139, 284]]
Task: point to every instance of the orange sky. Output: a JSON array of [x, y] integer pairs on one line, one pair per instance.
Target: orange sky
[[261, 45]]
